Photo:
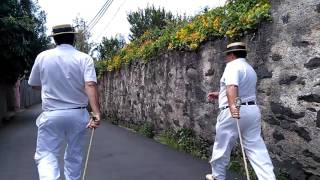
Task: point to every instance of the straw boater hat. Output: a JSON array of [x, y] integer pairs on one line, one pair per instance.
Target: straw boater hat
[[236, 46], [62, 29]]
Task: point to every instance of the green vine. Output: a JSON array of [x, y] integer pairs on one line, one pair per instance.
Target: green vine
[[233, 20]]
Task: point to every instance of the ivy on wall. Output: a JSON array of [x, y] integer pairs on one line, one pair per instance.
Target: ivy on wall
[[233, 20]]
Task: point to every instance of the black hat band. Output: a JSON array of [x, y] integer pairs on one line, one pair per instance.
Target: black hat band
[[61, 30], [238, 47]]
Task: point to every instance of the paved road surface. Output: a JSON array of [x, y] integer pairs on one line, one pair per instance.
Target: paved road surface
[[117, 154]]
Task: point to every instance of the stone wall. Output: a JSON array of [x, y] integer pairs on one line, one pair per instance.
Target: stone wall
[[14, 97], [289, 86], [170, 90]]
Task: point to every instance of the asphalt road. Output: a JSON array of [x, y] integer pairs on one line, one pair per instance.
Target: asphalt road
[[116, 154]]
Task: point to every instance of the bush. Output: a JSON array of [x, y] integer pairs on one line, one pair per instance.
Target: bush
[[146, 129]]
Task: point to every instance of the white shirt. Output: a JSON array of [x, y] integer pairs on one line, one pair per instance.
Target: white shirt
[[238, 72], [62, 72]]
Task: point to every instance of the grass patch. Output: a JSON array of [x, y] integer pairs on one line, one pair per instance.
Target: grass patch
[[146, 129], [185, 140]]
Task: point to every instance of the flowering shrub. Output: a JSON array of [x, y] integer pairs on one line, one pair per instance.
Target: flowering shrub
[[233, 20]]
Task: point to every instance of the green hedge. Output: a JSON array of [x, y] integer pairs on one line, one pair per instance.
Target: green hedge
[[233, 20]]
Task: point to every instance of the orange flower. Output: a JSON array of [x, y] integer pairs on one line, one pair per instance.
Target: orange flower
[[195, 36]]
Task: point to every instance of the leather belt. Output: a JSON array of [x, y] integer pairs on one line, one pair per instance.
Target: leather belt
[[69, 108], [244, 103], [78, 108]]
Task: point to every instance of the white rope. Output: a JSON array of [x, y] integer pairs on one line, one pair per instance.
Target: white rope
[[88, 153], [243, 154]]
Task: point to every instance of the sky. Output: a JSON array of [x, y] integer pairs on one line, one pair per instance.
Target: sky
[[114, 21]]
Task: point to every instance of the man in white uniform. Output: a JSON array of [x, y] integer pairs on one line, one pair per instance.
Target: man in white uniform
[[238, 80], [67, 80]]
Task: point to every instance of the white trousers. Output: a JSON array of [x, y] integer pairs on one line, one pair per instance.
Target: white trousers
[[227, 135], [54, 129]]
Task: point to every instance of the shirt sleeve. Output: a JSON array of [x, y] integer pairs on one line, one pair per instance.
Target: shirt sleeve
[[89, 71], [232, 76], [34, 78]]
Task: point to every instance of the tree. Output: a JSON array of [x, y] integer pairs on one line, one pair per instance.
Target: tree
[[109, 47], [148, 18], [82, 38], [22, 38]]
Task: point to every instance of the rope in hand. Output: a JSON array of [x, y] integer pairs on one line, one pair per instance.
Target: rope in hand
[[242, 149], [88, 153], [238, 104]]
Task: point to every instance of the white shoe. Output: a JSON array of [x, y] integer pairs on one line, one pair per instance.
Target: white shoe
[[209, 177]]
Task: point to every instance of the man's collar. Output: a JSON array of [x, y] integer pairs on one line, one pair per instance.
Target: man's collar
[[68, 46], [238, 59]]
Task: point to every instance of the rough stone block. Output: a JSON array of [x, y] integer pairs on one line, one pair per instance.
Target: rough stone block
[[293, 168], [317, 8], [302, 132], [312, 109], [200, 94], [287, 79], [277, 108], [278, 135], [168, 108], [210, 72], [307, 153], [285, 124], [285, 19], [313, 177], [192, 73], [263, 72], [276, 57], [318, 119], [273, 121], [313, 63], [301, 81], [310, 98], [300, 44]]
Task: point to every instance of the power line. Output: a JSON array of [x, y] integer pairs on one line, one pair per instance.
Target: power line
[[99, 15], [99, 12], [114, 15]]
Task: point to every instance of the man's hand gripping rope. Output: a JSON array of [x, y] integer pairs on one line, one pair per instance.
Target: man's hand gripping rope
[[94, 121]]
